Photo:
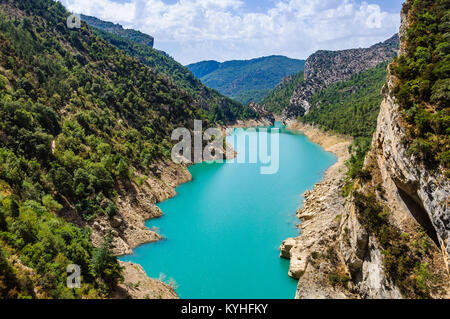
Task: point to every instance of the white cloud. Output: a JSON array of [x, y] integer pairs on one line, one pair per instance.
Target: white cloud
[[194, 30]]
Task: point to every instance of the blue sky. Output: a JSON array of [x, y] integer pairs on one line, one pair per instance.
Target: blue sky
[[263, 5], [195, 30]]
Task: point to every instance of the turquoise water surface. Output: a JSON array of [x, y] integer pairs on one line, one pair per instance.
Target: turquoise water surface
[[224, 228]]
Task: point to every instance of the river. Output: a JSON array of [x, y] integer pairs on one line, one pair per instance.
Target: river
[[223, 230]]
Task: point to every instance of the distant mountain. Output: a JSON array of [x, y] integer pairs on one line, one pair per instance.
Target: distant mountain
[[324, 68], [85, 148], [203, 68], [117, 29], [246, 80]]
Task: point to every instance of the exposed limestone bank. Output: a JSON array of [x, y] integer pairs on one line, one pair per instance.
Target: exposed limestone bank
[[312, 254], [137, 203], [335, 256], [137, 285]]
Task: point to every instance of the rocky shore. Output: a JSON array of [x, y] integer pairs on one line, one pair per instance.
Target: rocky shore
[[137, 285], [320, 217], [137, 203], [335, 256]]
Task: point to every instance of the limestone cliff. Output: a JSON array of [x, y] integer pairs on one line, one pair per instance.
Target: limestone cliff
[[390, 237], [324, 68]]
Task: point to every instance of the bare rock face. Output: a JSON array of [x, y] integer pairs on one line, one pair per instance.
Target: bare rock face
[[324, 68], [424, 192], [136, 204], [137, 285], [265, 117]]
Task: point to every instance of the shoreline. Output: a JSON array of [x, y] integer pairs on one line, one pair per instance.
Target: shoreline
[[156, 288], [320, 218], [326, 140], [158, 190]]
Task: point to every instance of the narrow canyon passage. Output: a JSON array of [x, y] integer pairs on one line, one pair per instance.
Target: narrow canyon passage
[[224, 228]]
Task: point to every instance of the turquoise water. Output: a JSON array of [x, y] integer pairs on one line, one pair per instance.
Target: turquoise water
[[224, 228]]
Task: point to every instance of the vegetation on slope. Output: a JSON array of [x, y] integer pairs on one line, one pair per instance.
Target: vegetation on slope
[[351, 108], [423, 88], [279, 98], [246, 81], [77, 118], [220, 109], [405, 255], [117, 29], [200, 69]]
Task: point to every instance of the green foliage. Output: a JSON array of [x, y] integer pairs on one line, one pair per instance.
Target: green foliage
[[338, 279], [358, 151], [350, 107], [111, 210], [105, 267], [176, 74], [48, 245], [403, 259], [12, 284], [246, 81], [279, 98], [423, 88], [50, 204]]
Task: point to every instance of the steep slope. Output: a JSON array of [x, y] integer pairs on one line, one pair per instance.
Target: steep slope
[[349, 107], [324, 68], [84, 153], [200, 69], [221, 108], [246, 81], [277, 99], [117, 29], [389, 237]]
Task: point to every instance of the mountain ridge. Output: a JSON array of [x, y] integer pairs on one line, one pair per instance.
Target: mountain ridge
[[324, 68], [246, 80], [118, 29]]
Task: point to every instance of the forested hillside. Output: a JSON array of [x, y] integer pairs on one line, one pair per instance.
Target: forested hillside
[[277, 99], [78, 117], [351, 108], [246, 81], [221, 108]]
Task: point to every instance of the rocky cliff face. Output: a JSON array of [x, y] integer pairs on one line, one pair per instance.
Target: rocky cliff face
[[324, 68], [264, 117], [338, 256]]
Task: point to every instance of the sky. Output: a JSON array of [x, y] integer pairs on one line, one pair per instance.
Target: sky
[[222, 30]]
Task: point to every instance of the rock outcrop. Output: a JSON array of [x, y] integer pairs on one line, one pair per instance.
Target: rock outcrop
[[137, 285], [336, 256], [324, 68], [265, 118]]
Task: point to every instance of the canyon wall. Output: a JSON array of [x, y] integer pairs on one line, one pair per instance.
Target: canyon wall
[[324, 68], [339, 254]]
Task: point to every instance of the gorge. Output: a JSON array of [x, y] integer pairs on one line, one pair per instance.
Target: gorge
[[225, 244]]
